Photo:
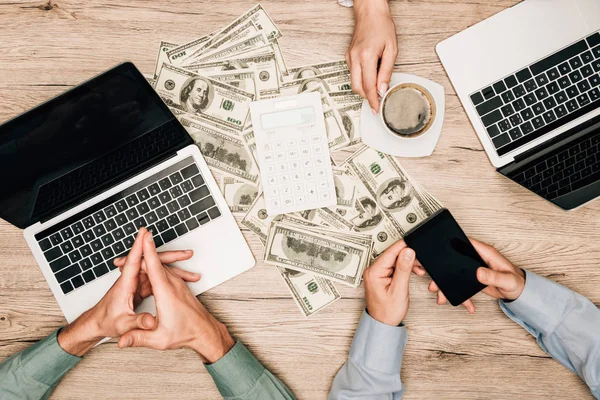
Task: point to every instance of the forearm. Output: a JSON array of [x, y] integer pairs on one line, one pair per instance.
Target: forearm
[[34, 372], [238, 375], [565, 324], [373, 367]]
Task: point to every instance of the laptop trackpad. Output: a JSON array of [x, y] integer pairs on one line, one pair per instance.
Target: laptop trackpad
[[590, 13]]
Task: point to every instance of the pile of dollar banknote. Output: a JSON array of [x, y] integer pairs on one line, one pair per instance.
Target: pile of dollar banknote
[[209, 83]]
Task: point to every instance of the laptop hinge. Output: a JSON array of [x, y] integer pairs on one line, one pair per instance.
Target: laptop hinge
[[109, 185]]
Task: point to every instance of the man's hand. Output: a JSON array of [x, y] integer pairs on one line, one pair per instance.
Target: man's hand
[[182, 321], [115, 313], [386, 284], [503, 280], [374, 38]]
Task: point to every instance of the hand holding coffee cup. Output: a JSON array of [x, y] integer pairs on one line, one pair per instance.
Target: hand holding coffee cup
[[407, 110]]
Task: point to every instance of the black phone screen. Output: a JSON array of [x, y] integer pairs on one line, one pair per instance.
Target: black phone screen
[[447, 255]]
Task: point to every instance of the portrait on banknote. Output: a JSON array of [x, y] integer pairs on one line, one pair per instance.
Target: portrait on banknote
[[369, 218], [315, 254], [395, 194], [196, 94]]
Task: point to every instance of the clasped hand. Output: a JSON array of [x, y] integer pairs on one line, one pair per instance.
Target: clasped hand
[[181, 321]]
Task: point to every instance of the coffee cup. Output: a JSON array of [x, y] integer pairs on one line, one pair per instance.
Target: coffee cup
[[407, 110]]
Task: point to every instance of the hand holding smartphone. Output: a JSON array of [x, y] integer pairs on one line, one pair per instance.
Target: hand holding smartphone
[[447, 255]]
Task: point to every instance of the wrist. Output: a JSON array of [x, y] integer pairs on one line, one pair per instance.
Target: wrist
[[365, 6], [80, 336], [385, 319], [212, 347]]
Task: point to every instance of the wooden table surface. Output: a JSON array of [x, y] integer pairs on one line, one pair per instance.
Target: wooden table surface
[[46, 48]]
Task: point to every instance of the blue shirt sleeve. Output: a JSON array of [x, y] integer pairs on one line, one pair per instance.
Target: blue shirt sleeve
[[373, 367], [565, 324], [33, 373]]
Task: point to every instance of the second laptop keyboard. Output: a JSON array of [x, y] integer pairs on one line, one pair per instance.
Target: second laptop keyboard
[[541, 97], [170, 204]]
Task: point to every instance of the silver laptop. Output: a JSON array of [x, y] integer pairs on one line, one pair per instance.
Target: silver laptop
[[529, 81], [84, 171]]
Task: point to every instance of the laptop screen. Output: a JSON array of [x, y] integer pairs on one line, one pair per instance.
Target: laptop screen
[[50, 155]]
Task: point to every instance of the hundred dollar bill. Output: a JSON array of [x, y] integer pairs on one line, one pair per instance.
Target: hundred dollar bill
[[257, 219], [345, 98], [239, 195], [338, 81], [310, 292], [390, 187], [162, 56], [308, 71], [349, 105], [250, 43], [306, 251], [242, 32], [222, 149], [242, 79], [259, 17], [179, 54], [345, 187], [267, 83], [203, 97]]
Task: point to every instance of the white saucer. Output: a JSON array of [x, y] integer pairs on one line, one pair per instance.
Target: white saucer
[[376, 135]]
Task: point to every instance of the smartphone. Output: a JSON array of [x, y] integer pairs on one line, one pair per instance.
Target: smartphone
[[447, 255]]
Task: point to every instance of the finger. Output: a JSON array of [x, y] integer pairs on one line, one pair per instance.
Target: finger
[[469, 306], [486, 251], [501, 280], [369, 80], [133, 263], [140, 338], [404, 265], [387, 259], [356, 78], [157, 273], [386, 68], [418, 270], [441, 299], [139, 321], [185, 275], [166, 257], [433, 287]]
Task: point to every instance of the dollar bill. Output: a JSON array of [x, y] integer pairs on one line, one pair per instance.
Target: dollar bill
[[390, 188], [265, 65], [306, 251], [178, 55], [345, 98], [239, 195], [203, 97], [241, 33], [222, 149], [310, 292], [345, 187], [309, 71], [259, 17], [250, 43], [257, 219], [162, 56], [338, 81], [242, 79]]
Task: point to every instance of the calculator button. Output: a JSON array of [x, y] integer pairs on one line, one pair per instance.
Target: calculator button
[[310, 174], [295, 165], [284, 179], [288, 201], [292, 153], [324, 196], [321, 173], [276, 203], [323, 185], [274, 192], [272, 180], [282, 168], [307, 163], [279, 145], [292, 143], [315, 139], [269, 158], [317, 149], [298, 188], [319, 161], [268, 147], [304, 142], [280, 156], [300, 200], [286, 191], [271, 169], [296, 177], [305, 151]]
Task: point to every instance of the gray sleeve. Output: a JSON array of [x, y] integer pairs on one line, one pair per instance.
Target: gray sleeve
[[34, 372], [565, 324], [373, 368]]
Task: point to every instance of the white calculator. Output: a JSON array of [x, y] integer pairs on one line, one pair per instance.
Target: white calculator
[[293, 154]]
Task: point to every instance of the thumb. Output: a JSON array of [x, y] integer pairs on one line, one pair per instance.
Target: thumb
[[138, 338], [140, 321], [500, 280], [404, 265]]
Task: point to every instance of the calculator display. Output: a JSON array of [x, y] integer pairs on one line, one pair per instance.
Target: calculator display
[[281, 119]]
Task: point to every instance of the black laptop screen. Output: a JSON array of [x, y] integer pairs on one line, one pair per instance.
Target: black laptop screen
[[40, 148]]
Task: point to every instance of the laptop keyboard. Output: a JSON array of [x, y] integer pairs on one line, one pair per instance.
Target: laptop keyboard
[[541, 97], [170, 204], [570, 168]]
